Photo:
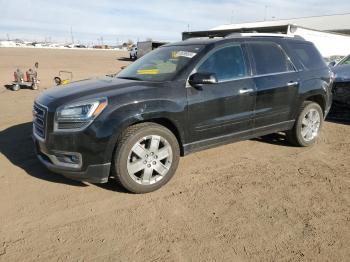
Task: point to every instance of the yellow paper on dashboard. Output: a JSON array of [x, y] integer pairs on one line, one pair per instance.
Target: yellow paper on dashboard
[[148, 72]]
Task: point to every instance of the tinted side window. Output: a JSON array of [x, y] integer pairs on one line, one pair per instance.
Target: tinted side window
[[227, 63], [269, 59], [308, 55]]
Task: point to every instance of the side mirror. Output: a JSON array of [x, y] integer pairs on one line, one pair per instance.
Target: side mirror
[[331, 64], [199, 79]]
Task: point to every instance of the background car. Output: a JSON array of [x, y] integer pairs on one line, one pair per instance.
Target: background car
[[341, 89], [340, 61]]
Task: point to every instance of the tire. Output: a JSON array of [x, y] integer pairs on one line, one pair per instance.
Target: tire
[[16, 87], [307, 125], [57, 80], [34, 86], [154, 164]]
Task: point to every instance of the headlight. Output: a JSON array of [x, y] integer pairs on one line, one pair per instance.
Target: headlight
[[77, 116]]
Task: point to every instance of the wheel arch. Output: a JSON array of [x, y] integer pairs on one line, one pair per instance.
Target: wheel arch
[[122, 126], [319, 99], [167, 123]]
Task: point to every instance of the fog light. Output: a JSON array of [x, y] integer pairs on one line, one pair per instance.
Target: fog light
[[68, 159]]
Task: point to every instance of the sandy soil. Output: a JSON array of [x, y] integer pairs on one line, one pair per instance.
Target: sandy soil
[[257, 200]]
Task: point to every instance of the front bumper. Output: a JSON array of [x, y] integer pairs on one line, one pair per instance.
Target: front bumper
[[93, 173]]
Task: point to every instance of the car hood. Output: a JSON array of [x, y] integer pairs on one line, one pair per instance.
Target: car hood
[[90, 88], [342, 73]]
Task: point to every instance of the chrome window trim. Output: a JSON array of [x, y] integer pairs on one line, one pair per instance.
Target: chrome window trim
[[255, 76], [246, 77]]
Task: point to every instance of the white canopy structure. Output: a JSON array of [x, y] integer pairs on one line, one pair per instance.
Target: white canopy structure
[[330, 34]]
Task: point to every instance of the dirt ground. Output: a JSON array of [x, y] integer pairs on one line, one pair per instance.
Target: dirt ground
[[257, 200]]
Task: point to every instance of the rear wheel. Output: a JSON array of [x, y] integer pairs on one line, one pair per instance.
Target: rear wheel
[[34, 86], [307, 126], [146, 157]]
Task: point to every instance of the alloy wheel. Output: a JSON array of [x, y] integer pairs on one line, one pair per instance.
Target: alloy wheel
[[149, 160], [310, 125]]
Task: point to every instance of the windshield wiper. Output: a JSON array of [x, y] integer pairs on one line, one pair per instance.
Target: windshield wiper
[[130, 78]]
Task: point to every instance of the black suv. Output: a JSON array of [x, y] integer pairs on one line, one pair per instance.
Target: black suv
[[178, 99]]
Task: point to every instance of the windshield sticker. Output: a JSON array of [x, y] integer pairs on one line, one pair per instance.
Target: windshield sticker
[[185, 54], [148, 72]]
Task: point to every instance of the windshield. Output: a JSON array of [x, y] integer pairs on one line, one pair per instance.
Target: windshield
[[161, 64]]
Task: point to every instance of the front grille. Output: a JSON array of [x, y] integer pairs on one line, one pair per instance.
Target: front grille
[[39, 120]]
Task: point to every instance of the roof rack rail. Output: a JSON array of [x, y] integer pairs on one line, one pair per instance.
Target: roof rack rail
[[203, 38], [259, 35]]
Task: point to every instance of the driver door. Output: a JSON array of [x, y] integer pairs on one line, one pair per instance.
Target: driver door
[[224, 109]]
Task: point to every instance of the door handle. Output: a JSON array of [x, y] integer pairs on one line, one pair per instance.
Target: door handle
[[246, 90], [292, 83]]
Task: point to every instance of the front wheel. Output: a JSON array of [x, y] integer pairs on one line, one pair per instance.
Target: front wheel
[[16, 87], [307, 126], [146, 157]]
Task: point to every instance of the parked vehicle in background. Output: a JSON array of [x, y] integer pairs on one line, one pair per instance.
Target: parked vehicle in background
[[341, 89], [133, 53], [344, 61], [80, 46], [181, 98], [147, 46]]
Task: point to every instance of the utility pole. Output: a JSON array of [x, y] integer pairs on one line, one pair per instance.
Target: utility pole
[[188, 27], [71, 34], [232, 17], [265, 16]]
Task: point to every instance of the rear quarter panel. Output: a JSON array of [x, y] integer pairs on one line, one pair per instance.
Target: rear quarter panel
[[315, 82]]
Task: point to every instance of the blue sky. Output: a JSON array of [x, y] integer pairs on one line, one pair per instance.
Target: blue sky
[[161, 20]]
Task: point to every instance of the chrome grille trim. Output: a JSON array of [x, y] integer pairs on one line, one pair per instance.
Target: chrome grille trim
[[40, 113]]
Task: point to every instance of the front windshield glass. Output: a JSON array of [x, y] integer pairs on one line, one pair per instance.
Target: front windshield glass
[[161, 64]]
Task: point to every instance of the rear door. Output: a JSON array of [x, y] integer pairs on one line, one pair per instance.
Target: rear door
[[277, 84], [228, 106]]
